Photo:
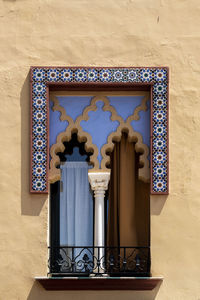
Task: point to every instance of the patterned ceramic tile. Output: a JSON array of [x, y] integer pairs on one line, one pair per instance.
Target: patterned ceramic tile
[[133, 75], [39, 102], [39, 157], [39, 88], [118, 75], [105, 75], [80, 75], [66, 75], [146, 75], [92, 75], [159, 185], [159, 143], [158, 77], [53, 75], [39, 184]]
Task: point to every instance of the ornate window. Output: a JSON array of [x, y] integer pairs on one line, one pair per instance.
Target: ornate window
[[106, 111]]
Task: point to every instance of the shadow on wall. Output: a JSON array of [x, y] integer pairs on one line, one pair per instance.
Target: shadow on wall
[[38, 293], [30, 204], [157, 203]]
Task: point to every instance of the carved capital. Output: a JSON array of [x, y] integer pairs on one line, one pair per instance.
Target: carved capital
[[99, 182]]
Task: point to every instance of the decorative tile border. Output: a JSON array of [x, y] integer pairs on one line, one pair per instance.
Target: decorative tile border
[[154, 78]]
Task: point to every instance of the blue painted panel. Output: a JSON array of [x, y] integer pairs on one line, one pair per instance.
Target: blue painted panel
[[99, 126], [55, 125], [143, 125], [74, 105], [125, 105]]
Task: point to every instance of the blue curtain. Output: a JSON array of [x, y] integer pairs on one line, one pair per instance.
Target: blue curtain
[[76, 205]]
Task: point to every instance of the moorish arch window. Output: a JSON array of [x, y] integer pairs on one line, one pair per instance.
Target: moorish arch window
[[99, 140], [103, 134]]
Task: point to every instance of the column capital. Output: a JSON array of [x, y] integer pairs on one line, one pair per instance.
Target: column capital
[[99, 180]]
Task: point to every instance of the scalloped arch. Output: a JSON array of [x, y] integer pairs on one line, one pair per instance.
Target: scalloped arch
[[54, 172], [140, 147]]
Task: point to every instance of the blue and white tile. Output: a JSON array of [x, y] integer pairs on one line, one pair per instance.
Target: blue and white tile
[[159, 116], [80, 75], [159, 130], [39, 129], [53, 75], [105, 75], [118, 75], [159, 88], [160, 143], [38, 74], [160, 157], [146, 75], [160, 74], [159, 185], [39, 88], [39, 157], [39, 144], [39, 102], [39, 115], [39, 170], [92, 75], [39, 184], [159, 102], [133, 75], [66, 75], [159, 171]]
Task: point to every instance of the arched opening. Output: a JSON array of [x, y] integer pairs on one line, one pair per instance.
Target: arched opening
[[128, 214], [129, 198], [72, 212], [71, 208]]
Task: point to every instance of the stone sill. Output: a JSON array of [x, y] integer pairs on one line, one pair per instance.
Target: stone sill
[[99, 283]]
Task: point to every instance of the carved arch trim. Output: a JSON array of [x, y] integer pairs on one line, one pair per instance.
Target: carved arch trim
[[140, 147], [144, 172], [54, 172]]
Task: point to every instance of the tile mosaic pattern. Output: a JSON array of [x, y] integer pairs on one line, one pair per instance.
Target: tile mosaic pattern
[[41, 76]]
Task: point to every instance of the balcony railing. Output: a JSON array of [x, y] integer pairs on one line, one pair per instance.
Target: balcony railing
[[99, 261]]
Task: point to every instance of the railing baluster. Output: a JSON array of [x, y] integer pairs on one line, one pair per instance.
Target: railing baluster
[[73, 262], [124, 260], [98, 259]]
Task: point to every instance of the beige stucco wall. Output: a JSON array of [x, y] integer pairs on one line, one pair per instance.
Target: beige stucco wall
[[100, 33]]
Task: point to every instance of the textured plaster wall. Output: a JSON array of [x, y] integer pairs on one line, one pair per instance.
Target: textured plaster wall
[[100, 33]]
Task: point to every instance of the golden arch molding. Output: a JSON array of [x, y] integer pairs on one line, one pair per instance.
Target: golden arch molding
[[46, 79]]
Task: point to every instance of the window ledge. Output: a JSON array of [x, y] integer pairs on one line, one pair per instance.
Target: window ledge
[[99, 283]]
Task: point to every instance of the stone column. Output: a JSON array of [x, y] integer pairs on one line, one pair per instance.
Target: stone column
[[99, 184]]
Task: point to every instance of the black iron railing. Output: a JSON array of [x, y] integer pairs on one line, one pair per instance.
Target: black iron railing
[[99, 261]]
